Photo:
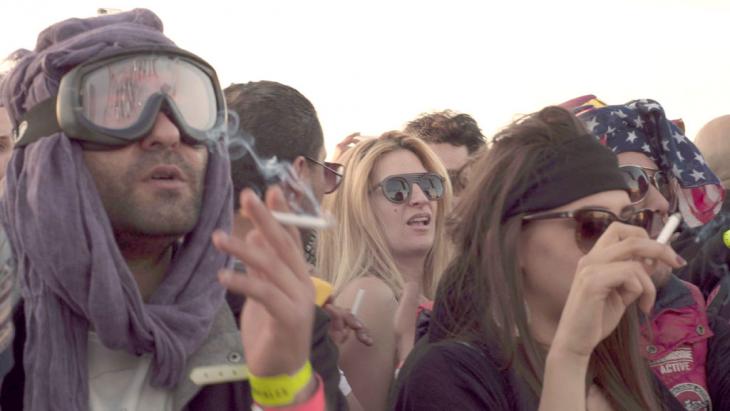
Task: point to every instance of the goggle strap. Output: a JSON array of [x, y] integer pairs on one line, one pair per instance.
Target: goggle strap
[[39, 122]]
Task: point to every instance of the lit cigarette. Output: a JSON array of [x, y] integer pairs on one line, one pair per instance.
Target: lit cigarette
[[358, 299], [669, 228], [302, 221]]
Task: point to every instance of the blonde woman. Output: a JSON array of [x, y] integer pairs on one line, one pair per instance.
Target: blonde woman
[[388, 242]]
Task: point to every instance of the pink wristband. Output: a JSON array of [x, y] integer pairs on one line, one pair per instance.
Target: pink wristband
[[314, 403]]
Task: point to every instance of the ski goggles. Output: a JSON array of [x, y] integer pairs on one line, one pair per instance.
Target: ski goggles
[[397, 188], [639, 178], [114, 101], [592, 222]]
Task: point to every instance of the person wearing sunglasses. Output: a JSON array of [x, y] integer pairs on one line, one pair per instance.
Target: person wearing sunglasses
[[387, 246], [666, 172], [118, 183], [455, 137], [540, 308], [284, 124]]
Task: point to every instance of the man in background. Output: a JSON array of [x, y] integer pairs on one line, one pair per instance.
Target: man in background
[[454, 137]]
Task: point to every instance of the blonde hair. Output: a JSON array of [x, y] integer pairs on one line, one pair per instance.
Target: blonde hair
[[356, 247]]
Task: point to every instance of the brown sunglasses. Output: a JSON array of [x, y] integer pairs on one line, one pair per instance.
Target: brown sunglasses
[[333, 173], [592, 222]]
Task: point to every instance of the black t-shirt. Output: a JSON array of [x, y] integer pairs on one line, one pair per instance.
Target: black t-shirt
[[452, 375]]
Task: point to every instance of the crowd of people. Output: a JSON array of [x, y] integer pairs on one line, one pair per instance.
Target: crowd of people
[[144, 266]]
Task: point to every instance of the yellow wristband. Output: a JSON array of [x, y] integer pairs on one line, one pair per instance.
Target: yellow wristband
[[726, 238], [280, 389]]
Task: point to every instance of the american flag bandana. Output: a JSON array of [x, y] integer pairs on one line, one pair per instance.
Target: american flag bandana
[[641, 126]]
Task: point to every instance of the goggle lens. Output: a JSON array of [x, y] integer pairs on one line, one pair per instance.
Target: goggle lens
[[114, 96]]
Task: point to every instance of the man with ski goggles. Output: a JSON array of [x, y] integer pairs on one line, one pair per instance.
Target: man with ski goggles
[[119, 181]]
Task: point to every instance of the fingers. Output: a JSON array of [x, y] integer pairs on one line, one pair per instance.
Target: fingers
[[337, 321], [363, 335], [617, 232], [274, 301], [275, 201], [637, 248], [261, 261], [628, 279], [361, 332], [344, 320], [348, 140], [623, 242], [281, 240]]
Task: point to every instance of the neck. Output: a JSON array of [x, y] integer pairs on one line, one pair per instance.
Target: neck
[[147, 258], [412, 267]]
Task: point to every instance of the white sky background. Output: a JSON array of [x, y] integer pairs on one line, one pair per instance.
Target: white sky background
[[371, 66]]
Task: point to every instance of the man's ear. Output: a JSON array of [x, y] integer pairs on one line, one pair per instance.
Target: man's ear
[[301, 168]]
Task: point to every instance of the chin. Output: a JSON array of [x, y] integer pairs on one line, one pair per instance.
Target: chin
[[415, 248]]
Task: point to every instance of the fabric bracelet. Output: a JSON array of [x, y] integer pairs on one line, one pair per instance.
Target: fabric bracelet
[[279, 390]]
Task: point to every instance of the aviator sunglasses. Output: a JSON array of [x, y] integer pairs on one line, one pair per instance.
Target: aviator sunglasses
[[592, 222], [639, 178], [397, 188]]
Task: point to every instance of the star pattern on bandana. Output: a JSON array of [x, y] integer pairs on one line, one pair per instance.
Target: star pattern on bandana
[[676, 170], [641, 126], [623, 128], [678, 137], [591, 124], [699, 159], [639, 122], [619, 114]]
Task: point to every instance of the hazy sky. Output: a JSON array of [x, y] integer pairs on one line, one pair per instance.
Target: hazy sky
[[370, 66]]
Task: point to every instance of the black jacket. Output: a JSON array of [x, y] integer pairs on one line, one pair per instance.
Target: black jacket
[[708, 258]]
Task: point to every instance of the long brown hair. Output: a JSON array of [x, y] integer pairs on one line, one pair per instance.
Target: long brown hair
[[480, 296]]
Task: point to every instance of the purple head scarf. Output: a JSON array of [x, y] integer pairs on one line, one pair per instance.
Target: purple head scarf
[[73, 276]]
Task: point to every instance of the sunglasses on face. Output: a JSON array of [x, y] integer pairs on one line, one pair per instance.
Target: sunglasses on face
[[639, 178], [333, 173], [397, 188], [591, 223]]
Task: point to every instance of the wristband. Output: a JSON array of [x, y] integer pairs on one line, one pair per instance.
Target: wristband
[[280, 389], [315, 403], [726, 238]]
